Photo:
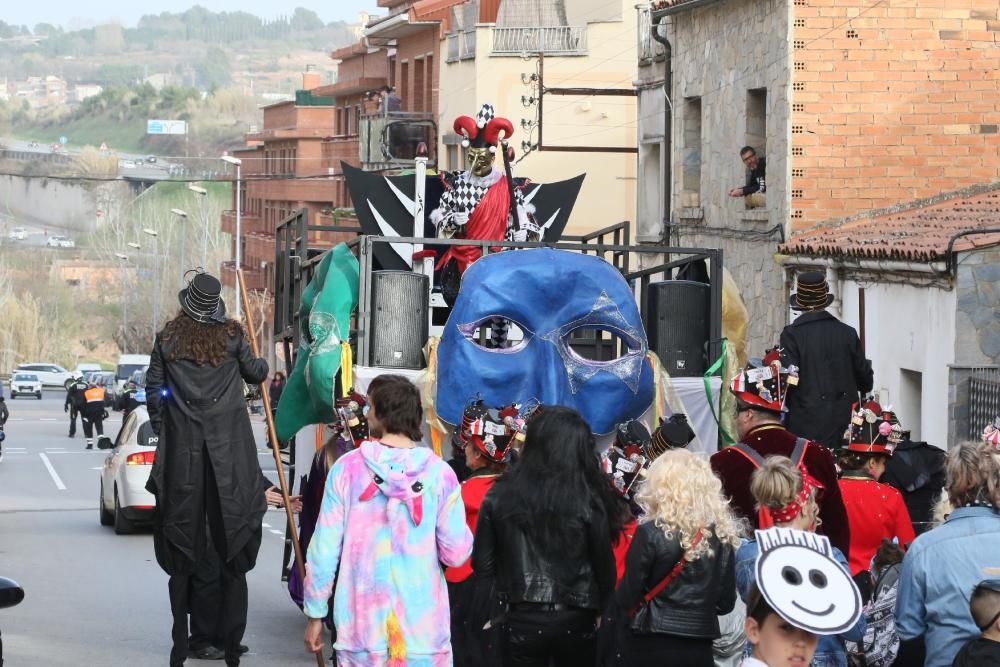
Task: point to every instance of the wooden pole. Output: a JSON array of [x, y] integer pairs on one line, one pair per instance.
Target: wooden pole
[[300, 562]]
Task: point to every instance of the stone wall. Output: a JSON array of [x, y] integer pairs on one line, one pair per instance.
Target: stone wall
[[732, 56], [977, 340], [977, 334]]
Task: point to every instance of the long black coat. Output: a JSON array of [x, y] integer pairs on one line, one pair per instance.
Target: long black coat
[[833, 370], [198, 409]]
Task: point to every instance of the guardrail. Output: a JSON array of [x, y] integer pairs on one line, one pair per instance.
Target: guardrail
[[550, 40]]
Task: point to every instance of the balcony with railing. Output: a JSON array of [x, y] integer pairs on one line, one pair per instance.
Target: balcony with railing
[[649, 49], [461, 45], [256, 280], [550, 40], [249, 223], [392, 140]]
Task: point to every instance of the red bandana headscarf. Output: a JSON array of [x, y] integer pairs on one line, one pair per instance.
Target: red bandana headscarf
[[767, 517]]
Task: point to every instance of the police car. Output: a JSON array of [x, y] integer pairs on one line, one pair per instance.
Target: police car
[[125, 502]]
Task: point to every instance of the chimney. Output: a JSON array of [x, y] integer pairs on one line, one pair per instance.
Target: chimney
[[310, 78]]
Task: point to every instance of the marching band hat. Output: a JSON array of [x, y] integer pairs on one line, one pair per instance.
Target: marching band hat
[[873, 429], [764, 383], [672, 433], [202, 300], [812, 292]]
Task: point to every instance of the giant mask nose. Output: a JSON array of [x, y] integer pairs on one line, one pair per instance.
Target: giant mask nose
[[552, 296]]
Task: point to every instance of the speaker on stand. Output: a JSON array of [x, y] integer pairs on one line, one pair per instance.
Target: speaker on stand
[[399, 319], [677, 325]]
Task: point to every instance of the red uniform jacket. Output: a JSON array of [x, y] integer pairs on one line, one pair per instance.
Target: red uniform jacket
[[735, 470], [620, 547], [874, 511], [473, 491]]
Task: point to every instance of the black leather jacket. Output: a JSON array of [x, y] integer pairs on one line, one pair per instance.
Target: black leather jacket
[[525, 571], [690, 604]]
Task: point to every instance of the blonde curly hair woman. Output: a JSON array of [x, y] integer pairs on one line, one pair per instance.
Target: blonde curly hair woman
[[687, 539]]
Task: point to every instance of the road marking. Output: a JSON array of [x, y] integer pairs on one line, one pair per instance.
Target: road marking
[[52, 472], [266, 525], [47, 419], [275, 532]]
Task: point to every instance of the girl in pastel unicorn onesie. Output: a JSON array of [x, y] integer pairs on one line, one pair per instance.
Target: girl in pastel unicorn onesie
[[392, 513]]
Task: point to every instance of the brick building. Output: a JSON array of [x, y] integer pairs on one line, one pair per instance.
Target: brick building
[[862, 106], [361, 70]]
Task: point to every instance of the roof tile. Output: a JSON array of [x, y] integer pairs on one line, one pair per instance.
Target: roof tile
[[915, 232]]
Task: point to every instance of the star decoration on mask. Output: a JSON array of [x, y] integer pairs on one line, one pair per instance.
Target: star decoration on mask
[[604, 314]]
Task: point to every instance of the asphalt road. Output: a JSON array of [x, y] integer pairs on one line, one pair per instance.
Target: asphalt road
[[93, 597]]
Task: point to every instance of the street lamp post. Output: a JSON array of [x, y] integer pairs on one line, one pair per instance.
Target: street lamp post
[[156, 276], [239, 238], [183, 216], [202, 196], [124, 261]]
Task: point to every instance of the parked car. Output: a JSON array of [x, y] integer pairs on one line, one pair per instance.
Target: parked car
[[129, 364], [124, 500], [83, 369], [126, 164], [60, 242], [25, 384], [139, 378], [18, 234], [150, 159], [51, 375]]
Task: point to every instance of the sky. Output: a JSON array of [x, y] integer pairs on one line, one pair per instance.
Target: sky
[[74, 14]]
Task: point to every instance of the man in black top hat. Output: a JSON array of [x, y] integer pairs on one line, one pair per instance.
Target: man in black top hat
[[209, 488], [832, 364]]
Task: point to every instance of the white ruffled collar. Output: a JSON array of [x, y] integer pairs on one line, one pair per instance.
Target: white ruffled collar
[[484, 181]]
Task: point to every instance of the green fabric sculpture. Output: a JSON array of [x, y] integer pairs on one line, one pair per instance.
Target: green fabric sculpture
[[325, 317]]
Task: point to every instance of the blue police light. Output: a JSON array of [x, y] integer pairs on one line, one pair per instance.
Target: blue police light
[[164, 393]]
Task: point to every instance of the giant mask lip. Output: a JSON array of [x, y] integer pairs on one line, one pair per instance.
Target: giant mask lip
[[549, 295]]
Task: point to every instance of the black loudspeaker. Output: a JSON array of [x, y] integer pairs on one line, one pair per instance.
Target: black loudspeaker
[[677, 325], [399, 311]]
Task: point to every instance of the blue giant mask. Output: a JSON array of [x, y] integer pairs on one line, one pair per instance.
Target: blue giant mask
[[549, 294]]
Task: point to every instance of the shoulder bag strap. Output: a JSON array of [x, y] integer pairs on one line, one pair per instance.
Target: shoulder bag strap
[[799, 453], [658, 588], [750, 453]]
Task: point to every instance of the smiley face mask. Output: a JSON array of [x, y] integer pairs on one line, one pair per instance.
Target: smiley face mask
[[553, 297], [799, 577]]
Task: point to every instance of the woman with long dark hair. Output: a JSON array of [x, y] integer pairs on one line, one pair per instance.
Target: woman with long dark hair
[[545, 532], [206, 469]]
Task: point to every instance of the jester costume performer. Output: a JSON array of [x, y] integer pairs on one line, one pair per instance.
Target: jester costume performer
[[476, 203]]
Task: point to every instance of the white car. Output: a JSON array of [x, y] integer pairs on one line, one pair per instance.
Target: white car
[[25, 384], [84, 368], [18, 234], [125, 501], [60, 242], [51, 375]]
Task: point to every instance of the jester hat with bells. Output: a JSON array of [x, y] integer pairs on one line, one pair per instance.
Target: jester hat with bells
[[483, 130]]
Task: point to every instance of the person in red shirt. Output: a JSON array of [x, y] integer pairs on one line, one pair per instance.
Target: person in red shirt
[[875, 512], [486, 435], [625, 463]]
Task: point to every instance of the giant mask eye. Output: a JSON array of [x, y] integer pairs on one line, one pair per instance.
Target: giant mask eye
[[497, 333]]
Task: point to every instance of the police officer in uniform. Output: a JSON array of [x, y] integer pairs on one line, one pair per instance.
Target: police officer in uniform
[[74, 399]]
